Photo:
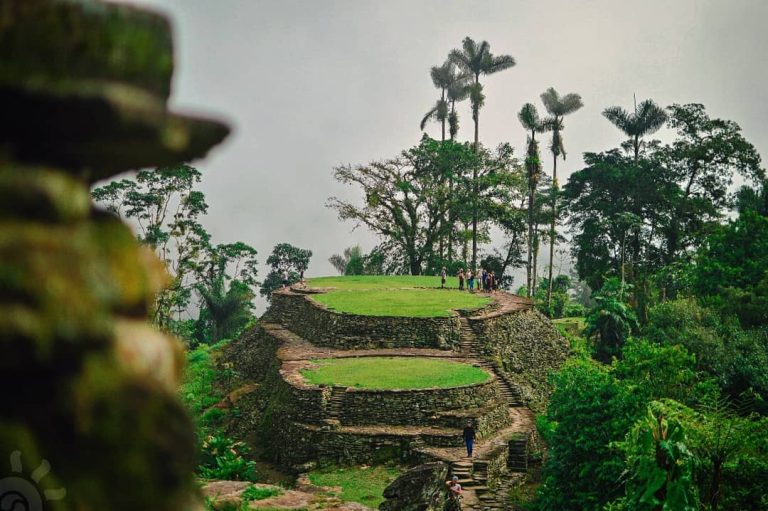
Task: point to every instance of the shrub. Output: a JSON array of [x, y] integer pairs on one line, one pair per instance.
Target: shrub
[[223, 458]]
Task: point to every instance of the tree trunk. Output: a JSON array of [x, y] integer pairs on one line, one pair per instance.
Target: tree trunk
[[465, 247], [529, 265], [552, 234], [474, 219], [450, 221], [442, 121], [535, 261], [476, 116], [637, 147], [714, 486]]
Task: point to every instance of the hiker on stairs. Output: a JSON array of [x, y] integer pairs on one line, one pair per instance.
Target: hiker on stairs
[[469, 437]]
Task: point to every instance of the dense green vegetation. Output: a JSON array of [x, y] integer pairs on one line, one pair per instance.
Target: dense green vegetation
[[359, 484], [393, 373], [202, 389], [216, 281]]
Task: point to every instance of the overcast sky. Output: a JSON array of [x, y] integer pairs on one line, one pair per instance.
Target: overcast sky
[[308, 85]]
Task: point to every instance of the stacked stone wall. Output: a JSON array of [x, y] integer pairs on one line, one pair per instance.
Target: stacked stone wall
[[323, 327], [302, 444], [497, 464], [412, 407], [528, 347], [486, 420]]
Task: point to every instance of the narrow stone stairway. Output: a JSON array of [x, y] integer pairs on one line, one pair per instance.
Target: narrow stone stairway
[[473, 474], [335, 402], [509, 390], [518, 455], [467, 338]]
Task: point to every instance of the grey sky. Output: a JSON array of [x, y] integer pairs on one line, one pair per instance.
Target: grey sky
[[309, 85]]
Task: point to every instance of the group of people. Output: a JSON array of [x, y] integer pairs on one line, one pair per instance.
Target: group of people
[[486, 280]]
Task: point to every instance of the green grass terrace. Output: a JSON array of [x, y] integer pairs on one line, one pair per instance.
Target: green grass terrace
[[387, 373], [395, 295]]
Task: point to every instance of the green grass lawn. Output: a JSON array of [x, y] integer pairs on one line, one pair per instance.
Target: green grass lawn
[[381, 281], [359, 484], [396, 295], [393, 373]]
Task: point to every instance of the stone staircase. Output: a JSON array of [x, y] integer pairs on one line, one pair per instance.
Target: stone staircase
[[335, 402], [509, 390], [467, 338], [518, 455], [473, 474]]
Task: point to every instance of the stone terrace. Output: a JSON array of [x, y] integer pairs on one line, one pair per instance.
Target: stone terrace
[[320, 423]]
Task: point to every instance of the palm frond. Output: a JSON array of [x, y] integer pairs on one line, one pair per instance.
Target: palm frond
[[458, 91], [560, 105], [461, 60], [529, 116], [427, 117], [471, 49], [499, 63], [650, 117], [550, 123], [570, 103], [619, 118], [443, 75]]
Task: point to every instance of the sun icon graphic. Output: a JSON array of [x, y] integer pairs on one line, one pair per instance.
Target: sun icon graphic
[[19, 494]]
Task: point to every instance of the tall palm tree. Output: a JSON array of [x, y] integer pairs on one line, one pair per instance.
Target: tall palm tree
[[529, 118], [475, 59], [558, 107], [446, 78], [647, 118]]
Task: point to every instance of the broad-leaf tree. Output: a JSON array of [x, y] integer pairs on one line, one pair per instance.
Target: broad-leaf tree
[[407, 197], [285, 258], [703, 160], [166, 209]]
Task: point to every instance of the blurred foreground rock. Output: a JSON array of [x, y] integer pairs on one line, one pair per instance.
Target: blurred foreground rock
[[420, 489], [90, 417]]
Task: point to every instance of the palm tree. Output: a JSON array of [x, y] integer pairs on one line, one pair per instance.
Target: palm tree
[[229, 310], [529, 118], [474, 60], [647, 118], [445, 78], [558, 107]]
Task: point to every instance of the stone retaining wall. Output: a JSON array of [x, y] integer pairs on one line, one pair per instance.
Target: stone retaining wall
[[528, 347], [300, 444], [412, 407], [486, 420], [323, 327], [497, 464]]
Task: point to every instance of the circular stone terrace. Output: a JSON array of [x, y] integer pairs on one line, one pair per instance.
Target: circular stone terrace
[[396, 296], [348, 348]]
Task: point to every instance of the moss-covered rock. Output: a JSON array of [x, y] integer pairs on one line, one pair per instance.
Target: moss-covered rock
[[90, 389]]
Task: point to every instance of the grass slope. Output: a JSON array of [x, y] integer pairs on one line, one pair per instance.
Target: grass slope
[[396, 295], [359, 484], [393, 373], [381, 281]]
